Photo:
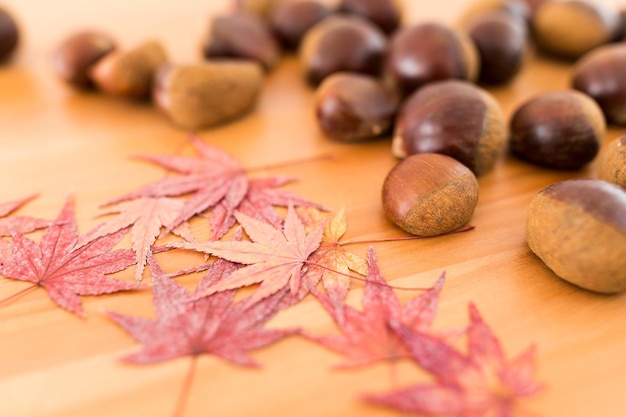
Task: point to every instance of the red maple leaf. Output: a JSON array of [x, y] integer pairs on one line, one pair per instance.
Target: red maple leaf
[[479, 383], [259, 201], [367, 336], [64, 270], [145, 217], [190, 326], [275, 258], [21, 224], [214, 180]]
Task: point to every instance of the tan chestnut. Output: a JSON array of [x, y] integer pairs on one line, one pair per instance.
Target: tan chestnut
[[578, 229], [517, 9], [129, 74], [571, 28], [342, 43], [430, 194], [241, 36], [353, 107], [199, 96], [291, 19], [258, 8], [559, 129], [454, 118], [77, 54], [429, 52], [386, 14], [600, 74], [612, 164]]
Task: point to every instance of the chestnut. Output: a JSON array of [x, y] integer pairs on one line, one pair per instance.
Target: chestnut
[[129, 74], [501, 41], [291, 19], [353, 107], [74, 57], [203, 95], [600, 74], [386, 14], [578, 229], [571, 28], [561, 130], [257, 8], [342, 43], [454, 118], [517, 9], [9, 34], [612, 164], [429, 52], [241, 36], [430, 194]]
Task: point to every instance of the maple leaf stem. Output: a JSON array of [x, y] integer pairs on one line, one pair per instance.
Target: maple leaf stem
[[181, 403], [397, 239], [279, 165], [365, 279], [17, 294]]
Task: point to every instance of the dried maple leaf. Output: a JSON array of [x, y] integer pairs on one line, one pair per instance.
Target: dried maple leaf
[[479, 383], [62, 269], [21, 224], [367, 336], [336, 263], [187, 326], [275, 258], [259, 201], [215, 180], [146, 216]]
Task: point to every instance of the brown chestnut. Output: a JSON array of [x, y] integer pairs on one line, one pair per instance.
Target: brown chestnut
[[129, 74], [242, 36], [501, 41], [454, 118], [386, 14], [561, 130], [578, 229], [429, 52], [199, 96], [612, 164], [291, 19], [352, 107], [430, 194], [258, 8], [342, 43], [571, 28], [74, 57], [600, 74], [9, 34]]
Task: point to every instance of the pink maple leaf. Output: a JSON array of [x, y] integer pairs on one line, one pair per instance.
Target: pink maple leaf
[[479, 383], [367, 336], [65, 271]]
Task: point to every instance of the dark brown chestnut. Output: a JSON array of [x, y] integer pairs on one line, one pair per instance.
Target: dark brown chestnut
[[242, 36], [561, 130], [571, 28], [386, 14], [74, 57], [353, 107], [501, 41], [429, 52], [600, 74], [342, 43], [291, 19], [9, 34], [454, 118]]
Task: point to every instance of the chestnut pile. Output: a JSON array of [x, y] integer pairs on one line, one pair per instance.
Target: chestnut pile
[[422, 84]]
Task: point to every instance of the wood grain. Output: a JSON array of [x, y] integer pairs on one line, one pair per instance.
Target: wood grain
[[58, 142]]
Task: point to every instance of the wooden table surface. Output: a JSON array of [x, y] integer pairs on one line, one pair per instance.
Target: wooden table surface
[[57, 142]]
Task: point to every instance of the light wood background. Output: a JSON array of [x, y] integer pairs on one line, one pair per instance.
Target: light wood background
[[57, 142]]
